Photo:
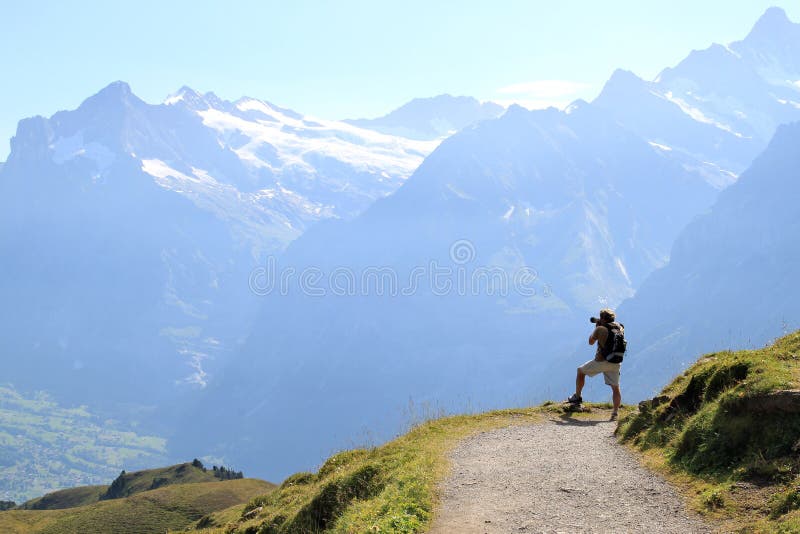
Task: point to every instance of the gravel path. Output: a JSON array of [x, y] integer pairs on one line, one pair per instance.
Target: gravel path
[[567, 475]]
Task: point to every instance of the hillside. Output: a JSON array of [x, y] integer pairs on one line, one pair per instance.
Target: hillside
[[725, 433], [392, 488], [127, 484], [727, 430], [172, 507], [66, 498]]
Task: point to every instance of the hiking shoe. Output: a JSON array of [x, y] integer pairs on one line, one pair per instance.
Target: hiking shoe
[[575, 399], [614, 416]]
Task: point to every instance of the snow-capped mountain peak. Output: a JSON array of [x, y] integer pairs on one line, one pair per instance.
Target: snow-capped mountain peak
[[774, 22], [183, 94], [719, 106], [329, 162], [772, 48]]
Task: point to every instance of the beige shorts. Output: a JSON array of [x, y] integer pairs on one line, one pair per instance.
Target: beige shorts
[[610, 371]]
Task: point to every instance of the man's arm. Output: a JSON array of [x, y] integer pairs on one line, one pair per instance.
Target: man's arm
[[594, 337]]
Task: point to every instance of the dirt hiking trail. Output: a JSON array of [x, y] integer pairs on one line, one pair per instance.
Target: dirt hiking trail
[[563, 475]]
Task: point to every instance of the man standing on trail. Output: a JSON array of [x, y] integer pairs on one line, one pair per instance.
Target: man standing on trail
[[610, 338]]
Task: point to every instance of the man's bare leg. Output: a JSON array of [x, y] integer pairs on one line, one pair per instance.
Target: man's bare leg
[[616, 396], [580, 380]]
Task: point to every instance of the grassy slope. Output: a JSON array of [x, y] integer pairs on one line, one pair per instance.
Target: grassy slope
[[391, 488], [66, 498], [737, 466], [172, 507], [135, 482]]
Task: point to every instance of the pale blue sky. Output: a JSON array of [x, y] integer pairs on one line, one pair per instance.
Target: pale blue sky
[[346, 59]]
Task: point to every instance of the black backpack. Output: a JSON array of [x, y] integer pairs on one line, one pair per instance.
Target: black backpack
[[615, 345]]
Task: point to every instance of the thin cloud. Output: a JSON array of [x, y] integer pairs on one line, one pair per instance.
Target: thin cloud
[[532, 103], [544, 88], [539, 94]]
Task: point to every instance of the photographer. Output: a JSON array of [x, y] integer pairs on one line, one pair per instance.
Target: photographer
[[609, 336]]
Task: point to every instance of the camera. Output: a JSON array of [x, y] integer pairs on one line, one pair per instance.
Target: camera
[[594, 320]]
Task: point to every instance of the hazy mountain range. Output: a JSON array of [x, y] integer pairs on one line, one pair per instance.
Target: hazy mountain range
[[131, 234], [588, 200], [573, 197], [730, 280], [719, 107], [130, 229]]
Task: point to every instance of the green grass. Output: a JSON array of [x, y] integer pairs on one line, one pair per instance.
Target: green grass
[[737, 465], [66, 498], [178, 506], [391, 488], [129, 484]]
